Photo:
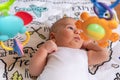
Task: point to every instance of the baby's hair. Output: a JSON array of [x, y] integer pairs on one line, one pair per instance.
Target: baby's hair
[[58, 23]]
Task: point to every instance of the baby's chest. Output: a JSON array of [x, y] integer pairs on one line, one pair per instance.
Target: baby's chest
[[74, 60]]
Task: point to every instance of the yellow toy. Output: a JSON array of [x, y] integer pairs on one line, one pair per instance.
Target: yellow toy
[[97, 29]]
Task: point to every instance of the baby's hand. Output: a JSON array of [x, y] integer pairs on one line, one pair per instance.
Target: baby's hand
[[91, 45], [86, 43], [50, 46]]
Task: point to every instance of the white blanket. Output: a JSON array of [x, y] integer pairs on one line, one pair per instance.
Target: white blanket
[[46, 12]]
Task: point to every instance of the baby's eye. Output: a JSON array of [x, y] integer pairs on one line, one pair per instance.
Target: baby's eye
[[70, 27]]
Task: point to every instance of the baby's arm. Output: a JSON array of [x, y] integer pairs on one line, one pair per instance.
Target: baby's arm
[[38, 61], [96, 54]]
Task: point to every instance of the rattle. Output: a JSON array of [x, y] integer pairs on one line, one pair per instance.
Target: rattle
[[98, 29], [11, 25]]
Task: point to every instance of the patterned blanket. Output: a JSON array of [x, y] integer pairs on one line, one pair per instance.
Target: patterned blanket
[[46, 12]]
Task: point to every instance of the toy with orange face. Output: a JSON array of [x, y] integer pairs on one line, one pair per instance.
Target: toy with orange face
[[98, 29]]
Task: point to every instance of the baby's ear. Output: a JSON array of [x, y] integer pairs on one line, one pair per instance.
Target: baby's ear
[[52, 35]]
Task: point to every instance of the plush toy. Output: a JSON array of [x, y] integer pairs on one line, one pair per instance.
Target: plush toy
[[101, 8], [12, 25], [98, 29]]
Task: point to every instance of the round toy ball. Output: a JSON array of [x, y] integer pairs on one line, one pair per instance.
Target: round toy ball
[[95, 31]]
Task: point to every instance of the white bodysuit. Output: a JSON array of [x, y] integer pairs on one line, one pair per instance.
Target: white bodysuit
[[66, 64]]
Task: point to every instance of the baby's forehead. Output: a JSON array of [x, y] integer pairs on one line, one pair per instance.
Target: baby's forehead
[[66, 21], [61, 23]]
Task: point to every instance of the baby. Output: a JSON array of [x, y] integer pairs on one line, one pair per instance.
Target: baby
[[66, 56]]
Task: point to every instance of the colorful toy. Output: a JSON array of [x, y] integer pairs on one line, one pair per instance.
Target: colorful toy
[[11, 25], [98, 29], [100, 8], [18, 47], [4, 8]]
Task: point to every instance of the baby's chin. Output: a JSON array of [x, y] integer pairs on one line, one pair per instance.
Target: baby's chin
[[77, 44]]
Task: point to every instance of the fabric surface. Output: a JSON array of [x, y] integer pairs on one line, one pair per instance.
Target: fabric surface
[[46, 12]]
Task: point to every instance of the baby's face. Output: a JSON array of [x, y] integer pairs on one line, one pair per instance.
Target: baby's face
[[68, 35]]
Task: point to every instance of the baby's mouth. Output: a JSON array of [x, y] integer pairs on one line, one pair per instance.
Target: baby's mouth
[[77, 38]]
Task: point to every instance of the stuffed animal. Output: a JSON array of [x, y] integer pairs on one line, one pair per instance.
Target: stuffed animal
[[11, 25]]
